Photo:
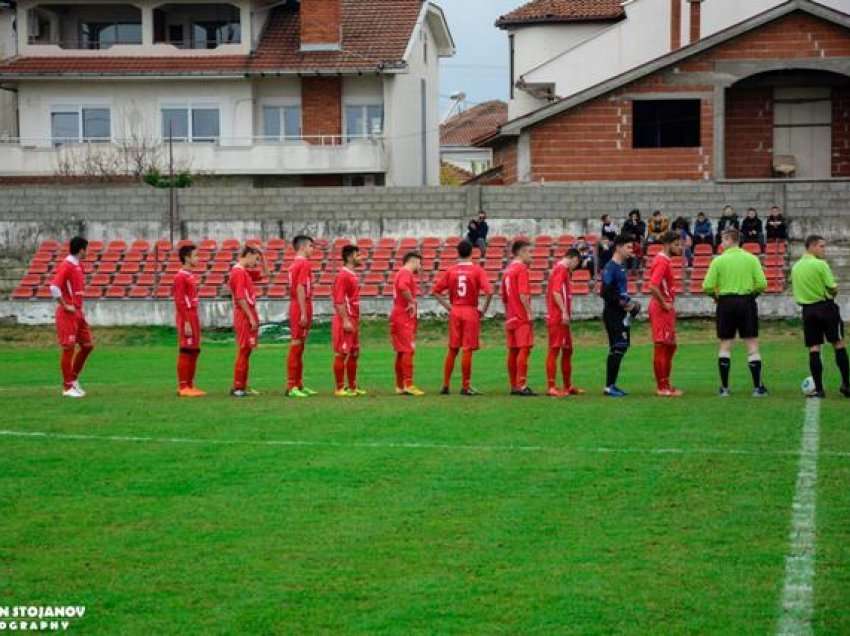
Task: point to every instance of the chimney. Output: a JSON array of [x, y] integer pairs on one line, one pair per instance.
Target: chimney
[[675, 24], [321, 25], [696, 20]]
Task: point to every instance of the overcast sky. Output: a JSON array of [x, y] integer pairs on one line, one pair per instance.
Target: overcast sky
[[480, 67]]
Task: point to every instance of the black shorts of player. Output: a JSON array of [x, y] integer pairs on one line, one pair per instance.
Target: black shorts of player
[[822, 321], [737, 315], [619, 335]]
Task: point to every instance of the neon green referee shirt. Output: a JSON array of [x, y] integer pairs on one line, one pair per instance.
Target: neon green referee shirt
[[735, 273], [812, 280]]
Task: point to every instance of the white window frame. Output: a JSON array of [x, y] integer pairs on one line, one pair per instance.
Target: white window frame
[[363, 103], [77, 109], [286, 136], [189, 107]]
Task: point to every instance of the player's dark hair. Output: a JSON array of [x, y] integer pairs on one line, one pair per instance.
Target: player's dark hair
[[299, 241], [623, 239], [814, 238], [732, 234], [410, 256], [348, 251], [519, 245], [184, 252], [670, 237], [464, 249], [249, 249], [572, 253], [77, 244]]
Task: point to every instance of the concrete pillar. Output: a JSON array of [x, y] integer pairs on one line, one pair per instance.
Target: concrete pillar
[[719, 131], [147, 25]]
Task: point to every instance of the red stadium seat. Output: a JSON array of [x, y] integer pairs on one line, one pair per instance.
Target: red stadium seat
[[95, 247], [43, 292], [208, 245], [277, 291], [431, 242], [703, 249], [276, 244], [774, 260], [654, 250], [580, 289], [581, 276], [139, 292], [752, 248], [702, 261], [116, 291], [31, 280], [163, 291], [38, 268], [22, 292], [543, 241], [208, 291], [776, 286], [255, 242], [92, 292], [130, 268], [122, 279], [166, 280], [100, 280], [380, 266], [774, 273], [214, 279], [160, 246], [322, 291], [452, 241], [49, 245], [541, 251], [540, 263], [776, 247], [387, 243], [111, 257], [140, 246], [230, 244], [133, 257], [536, 276], [145, 280], [117, 246], [565, 240], [536, 289], [42, 257], [695, 286], [374, 278], [369, 291]]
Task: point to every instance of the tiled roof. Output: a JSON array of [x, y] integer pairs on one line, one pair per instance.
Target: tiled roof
[[541, 11], [471, 124], [451, 174], [375, 35]]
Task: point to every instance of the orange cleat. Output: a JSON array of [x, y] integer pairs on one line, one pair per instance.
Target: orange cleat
[[669, 392], [556, 393], [574, 391], [197, 392]]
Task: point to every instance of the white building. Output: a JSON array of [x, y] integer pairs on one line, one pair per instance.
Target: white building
[[316, 92]]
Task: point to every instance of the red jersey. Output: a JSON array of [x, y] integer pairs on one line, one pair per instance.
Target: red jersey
[[559, 286], [242, 286], [185, 293], [404, 280], [301, 273], [464, 282], [661, 276], [70, 280], [515, 282], [347, 292]]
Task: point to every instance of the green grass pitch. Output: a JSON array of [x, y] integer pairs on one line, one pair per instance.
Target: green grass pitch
[[397, 515]]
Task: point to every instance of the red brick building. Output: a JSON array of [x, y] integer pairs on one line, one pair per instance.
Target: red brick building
[[768, 97]]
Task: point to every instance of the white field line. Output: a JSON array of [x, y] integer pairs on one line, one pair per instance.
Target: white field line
[[797, 606], [598, 450]]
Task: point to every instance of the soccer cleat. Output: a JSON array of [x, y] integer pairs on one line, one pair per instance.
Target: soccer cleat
[[344, 393], [187, 392], [197, 392], [445, 391], [308, 391], [574, 391], [358, 392], [669, 392], [76, 385], [816, 395], [556, 393], [239, 393], [614, 391], [760, 392], [252, 392], [295, 392], [73, 392], [399, 391], [413, 391], [724, 392], [845, 391], [525, 392], [469, 392]]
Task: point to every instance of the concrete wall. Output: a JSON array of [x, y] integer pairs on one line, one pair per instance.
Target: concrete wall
[[31, 214]]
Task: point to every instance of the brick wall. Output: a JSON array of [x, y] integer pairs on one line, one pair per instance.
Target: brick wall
[[749, 133], [320, 21], [505, 155], [321, 106], [841, 133]]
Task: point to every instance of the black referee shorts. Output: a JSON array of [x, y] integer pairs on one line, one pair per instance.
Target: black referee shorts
[[737, 315], [822, 321], [619, 335]]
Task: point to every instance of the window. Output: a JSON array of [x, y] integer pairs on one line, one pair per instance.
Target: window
[[75, 124], [198, 124], [666, 123], [208, 35], [282, 122], [102, 35], [364, 121]]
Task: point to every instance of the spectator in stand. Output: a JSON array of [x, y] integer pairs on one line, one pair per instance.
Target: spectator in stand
[[728, 221], [635, 228], [477, 232], [752, 230], [659, 225], [585, 255], [609, 228], [703, 233], [777, 231], [606, 251], [683, 229]]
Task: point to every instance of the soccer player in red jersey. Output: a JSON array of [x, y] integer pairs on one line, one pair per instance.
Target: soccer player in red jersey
[[403, 322], [519, 326], [559, 303], [72, 330], [345, 328], [463, 283], [185, 293], [300, 315], [662, 313], [246, 321]]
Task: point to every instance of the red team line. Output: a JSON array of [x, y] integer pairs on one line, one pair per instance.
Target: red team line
[[459, 290]]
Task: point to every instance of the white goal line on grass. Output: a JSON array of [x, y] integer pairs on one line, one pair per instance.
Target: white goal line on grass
[[797, 605], [598, 450]]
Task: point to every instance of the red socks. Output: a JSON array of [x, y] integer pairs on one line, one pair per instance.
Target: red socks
[[551, 366], [466, 368], [399, 371], [295, 366], [80, 359], [449, 366], [187, 362], [67, 365], [240, 371], [339, 372], [522, 367], [663, 364], [403, 370], [351, 368], [512, 367]]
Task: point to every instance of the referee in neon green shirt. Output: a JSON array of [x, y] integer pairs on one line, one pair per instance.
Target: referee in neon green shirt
[[735, 279], [815, 290]]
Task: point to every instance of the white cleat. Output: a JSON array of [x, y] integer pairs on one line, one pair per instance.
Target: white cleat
[[76, 385], [73, 392]]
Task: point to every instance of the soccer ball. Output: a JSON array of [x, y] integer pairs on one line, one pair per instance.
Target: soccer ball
[[808, 386]]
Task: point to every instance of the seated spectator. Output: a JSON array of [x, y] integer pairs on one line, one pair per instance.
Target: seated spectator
[[776, 229], [586, 255], [605, 251], [752, 230], [728, 220], [659, 225], [476, 232], [635, 227], [702, 230], [683, 228], [609, 228]]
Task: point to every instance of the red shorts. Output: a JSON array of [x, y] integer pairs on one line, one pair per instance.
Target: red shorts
[[295, 329], [560, 336], [72, 328], [345, 342], [186, 341], [663, 324], [520, 336], [403, 335], [464, 328], [246, 338]]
